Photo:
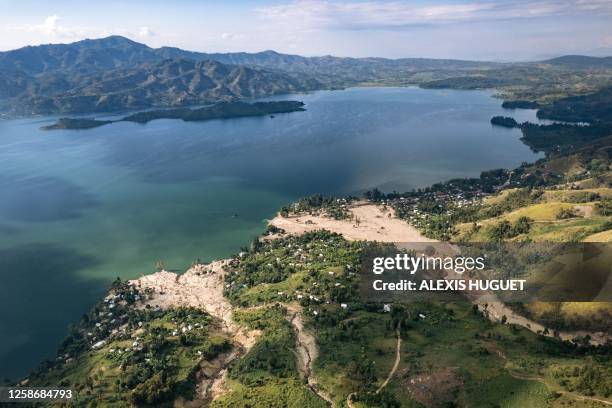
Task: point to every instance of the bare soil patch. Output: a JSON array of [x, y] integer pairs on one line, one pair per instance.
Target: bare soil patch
[[370, 223]]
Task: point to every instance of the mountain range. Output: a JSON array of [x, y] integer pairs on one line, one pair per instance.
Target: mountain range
[[116, 73], [168, 83]]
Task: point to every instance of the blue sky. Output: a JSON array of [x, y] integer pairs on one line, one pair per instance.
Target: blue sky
[[469, 29]]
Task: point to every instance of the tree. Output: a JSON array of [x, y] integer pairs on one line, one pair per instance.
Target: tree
[[566, 213], [522, 226], [500, 231]]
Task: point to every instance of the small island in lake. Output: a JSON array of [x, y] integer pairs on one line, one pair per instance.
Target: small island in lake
[[71, 123], [504, 121], [221, 110]]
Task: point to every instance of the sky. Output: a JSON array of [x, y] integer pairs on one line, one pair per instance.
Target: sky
[[501, 30]]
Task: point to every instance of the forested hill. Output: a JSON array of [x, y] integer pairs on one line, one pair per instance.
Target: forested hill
[[116, 52], [79, 57], [167, 83], [337, 71], [581, 61], [116, 73]]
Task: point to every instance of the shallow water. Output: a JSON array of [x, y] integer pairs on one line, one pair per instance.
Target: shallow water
[[78, 208]]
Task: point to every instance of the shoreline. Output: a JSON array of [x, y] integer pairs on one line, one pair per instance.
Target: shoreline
[[202, 285]]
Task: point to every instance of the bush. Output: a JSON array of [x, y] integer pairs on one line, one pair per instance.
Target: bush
[[583, 197], [522, 226], [566, 213], [150, 392], [604, 207]]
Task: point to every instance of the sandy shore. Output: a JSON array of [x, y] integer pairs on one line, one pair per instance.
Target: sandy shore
[[375, 224], [202, 285]]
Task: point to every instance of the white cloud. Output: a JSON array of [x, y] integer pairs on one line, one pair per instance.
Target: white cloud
[[145, 32], [231, 36], [51, 27], [317, 14]]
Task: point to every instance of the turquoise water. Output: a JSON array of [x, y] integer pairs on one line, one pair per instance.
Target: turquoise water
[[79, 208]]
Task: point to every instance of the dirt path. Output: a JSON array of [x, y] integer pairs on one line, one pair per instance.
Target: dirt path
[[349, 400], [306, 349], [398, 348], [566, 393], [498, 309], [550, 385], [307, 352]]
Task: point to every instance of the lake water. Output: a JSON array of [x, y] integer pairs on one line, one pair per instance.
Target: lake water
[[79, 208]]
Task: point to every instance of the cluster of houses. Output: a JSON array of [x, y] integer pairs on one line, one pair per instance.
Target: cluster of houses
[[299, 257], [412, 210]]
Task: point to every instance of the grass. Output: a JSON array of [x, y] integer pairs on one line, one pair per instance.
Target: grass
[[605, 236], [537, 212], [487, 358], [357, 346], [571, 195], [267, 376], [513, 392], [580, 315], [115, 373], [275, 394], [350, 343], [283, 269], [546, 226]]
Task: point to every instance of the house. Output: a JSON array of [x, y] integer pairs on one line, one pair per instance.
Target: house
[[99, 344]]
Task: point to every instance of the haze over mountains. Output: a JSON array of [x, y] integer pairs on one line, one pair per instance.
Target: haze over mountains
[[115, 73]]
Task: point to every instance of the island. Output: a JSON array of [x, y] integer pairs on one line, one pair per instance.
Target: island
[[221, 110], [504, 121], [71, 123]]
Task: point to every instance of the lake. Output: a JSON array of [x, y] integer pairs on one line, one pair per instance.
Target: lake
[[79, 208]]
